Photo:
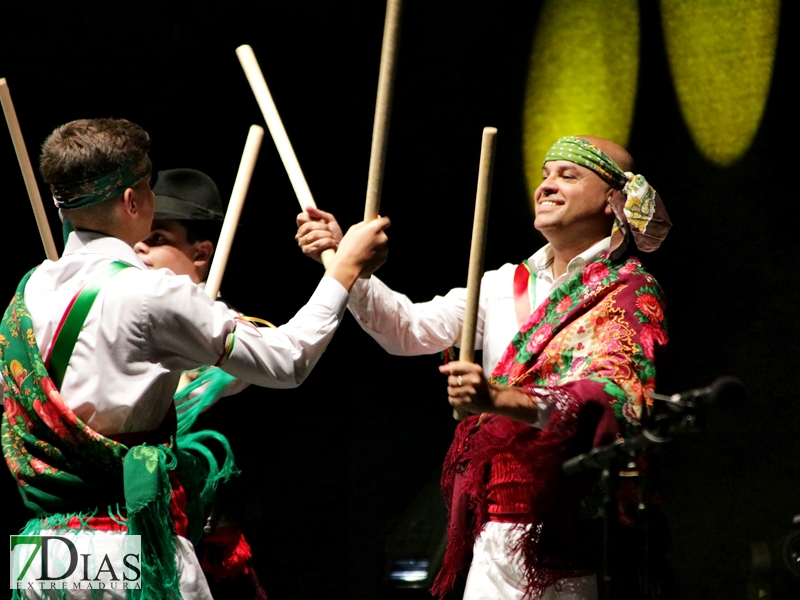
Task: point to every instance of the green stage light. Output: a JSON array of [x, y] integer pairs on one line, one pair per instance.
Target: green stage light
[[582, 76], [721, 54]]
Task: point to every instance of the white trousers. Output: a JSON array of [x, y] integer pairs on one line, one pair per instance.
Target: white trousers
[[496, 571]]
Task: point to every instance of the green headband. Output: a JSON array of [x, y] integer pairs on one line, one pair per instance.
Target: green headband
[[642, 213], [579, 151], [103, 187]]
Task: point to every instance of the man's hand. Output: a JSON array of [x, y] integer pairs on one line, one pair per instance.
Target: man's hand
[[360, 252], [467, 387], [317, 230], [469, 390]]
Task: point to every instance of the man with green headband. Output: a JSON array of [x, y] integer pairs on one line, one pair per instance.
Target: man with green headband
[[569, 337], [93, 345]]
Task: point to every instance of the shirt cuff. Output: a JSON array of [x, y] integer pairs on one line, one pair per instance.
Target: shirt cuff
[[358, 303], [330, 293], [359, 291]]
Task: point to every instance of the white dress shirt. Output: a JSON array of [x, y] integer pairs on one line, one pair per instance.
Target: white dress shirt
[[146, 327]]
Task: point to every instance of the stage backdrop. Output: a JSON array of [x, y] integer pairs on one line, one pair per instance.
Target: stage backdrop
[[327, 468]]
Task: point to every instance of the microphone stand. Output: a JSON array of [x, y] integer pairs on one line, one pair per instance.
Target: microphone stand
[[680, 415]]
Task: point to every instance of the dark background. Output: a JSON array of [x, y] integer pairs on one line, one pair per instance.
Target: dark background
[[328, 468]]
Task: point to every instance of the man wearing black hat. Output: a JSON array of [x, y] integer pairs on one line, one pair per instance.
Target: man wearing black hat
[[186, 223]]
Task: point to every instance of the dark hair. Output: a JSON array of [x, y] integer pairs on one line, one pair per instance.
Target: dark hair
[[87, 148]]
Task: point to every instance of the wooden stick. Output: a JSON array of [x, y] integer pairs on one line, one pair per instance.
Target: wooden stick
[[383, 107], [259, 86], [27, 172], [234, 210], [232, 215], [477, 250]]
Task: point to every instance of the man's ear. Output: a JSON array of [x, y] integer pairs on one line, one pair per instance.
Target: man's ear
[[613, 196], [202, 252], [128, 202]]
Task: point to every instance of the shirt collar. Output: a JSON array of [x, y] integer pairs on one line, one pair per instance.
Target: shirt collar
[[542, 259], [92, 242]]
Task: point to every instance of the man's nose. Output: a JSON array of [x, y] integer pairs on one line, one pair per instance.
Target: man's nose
[[547, 186]]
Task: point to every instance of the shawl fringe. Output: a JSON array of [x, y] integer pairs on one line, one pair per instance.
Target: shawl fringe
[[560, 544]]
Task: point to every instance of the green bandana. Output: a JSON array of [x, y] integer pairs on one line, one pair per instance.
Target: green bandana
[[642, 213], [101, 188], [579, 151]]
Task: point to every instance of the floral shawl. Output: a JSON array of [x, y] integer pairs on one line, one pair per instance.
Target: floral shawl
[[64, 469], [589, 352], [56, 459]]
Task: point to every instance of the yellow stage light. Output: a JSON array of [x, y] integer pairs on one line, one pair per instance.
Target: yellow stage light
[[721, 54], [582, 75]]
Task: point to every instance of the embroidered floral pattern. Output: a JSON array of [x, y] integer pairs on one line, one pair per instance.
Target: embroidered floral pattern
[[41, 436], [588, 353], [605, 324]]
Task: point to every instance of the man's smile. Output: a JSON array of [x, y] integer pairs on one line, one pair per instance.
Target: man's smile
[[550, 203]]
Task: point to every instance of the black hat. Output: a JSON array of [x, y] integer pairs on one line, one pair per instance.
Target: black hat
[[187, 194]]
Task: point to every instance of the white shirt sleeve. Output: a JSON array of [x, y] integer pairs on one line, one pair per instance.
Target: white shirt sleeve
[[187, 329], [406, 328], [146, 327], [403, 327]]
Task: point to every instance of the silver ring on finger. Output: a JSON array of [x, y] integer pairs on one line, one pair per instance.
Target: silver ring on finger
[[460, 383]]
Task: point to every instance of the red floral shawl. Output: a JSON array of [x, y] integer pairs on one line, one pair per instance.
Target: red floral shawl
[[589, 352]]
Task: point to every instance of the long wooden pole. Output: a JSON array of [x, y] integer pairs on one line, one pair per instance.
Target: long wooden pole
[[27, 172], [234, 210], [232, 215], [276, 129], [383, 107], [477, 250]]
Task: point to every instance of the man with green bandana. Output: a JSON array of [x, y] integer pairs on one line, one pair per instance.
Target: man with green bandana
[[92, 347], [569, 338]]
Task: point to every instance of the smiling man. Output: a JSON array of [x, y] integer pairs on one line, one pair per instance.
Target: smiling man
[[569, 337]]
